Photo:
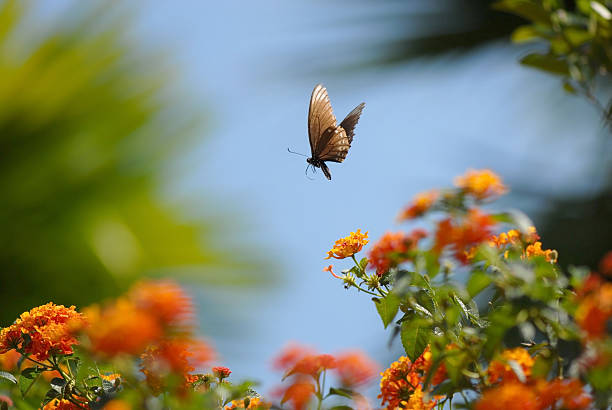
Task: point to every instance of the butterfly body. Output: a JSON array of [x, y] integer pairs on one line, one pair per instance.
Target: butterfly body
[[328, 140]]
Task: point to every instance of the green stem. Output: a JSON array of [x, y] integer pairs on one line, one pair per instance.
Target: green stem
[[361, 272], [46, 366], [366, 291]]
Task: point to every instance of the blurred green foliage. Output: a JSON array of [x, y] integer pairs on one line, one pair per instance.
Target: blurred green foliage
[[578, 39], [85, 122]]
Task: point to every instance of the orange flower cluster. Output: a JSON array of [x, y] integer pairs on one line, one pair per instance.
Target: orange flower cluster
[[117, 404], [474, 229], [348, 246], [542, 395], [248, 403], [305, 366], [508, 396], [481, 184], [421, 203], [532, 394], [500, 369], [594, 306], [393, 248], [149, 312], [528, 243], [64, 404], [172, 361], [402, 383], [43, 331]]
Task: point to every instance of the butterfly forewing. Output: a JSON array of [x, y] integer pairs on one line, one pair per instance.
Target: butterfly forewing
[[351, 120], [320, 117]]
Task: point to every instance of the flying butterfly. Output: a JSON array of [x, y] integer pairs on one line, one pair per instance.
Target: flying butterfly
[[328, 141]]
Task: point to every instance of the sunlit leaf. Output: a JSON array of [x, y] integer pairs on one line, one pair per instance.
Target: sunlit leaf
[[546, 62], [415, 337], [387, 307]]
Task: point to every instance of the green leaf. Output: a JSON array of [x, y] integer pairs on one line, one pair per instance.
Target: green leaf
[[524, 8], [477, 282], [25, 384], [577, 36], [31, 372], [455, 361], [74, 364], [601, 10], [525, 34], [541, 367], [8, 376], [387, 307], [363, 263], [546, 62], [51, 394], [341, 392], [569, 88], [415, 337], [3, 405]]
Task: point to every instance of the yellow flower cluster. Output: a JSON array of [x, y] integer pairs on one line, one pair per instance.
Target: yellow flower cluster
[[348, 246], [482, 184]]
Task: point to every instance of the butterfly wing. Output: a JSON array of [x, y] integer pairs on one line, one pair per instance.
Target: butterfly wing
[[351, 120], [320, 117], [333, 145]]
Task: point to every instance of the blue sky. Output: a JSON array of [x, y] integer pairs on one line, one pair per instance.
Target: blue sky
[[424, 123]]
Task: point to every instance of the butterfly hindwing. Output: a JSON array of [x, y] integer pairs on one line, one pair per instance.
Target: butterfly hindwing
[[320, 116], [351, 120], [333, 145]]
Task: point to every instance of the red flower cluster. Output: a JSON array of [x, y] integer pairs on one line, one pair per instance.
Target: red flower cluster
[[221, 372], [394, 248], [149, 312], [43, 331], [474, 229], [402, 383], [305, 366]]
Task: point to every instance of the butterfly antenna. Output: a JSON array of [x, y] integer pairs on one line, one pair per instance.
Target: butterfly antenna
[[297, 153]]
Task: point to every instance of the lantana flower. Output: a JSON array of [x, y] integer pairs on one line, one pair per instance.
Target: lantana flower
[[50, 329], [507, 396], [421, 203], [393, 248], [481, 184], [500, 368], [348, 246], [174, 359], [471, 231], [402, 383], [594, 310]]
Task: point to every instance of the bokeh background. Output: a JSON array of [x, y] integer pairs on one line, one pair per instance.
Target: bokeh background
[[151, 139]]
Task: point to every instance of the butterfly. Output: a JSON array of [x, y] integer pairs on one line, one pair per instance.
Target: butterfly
[[329, 141]]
